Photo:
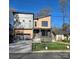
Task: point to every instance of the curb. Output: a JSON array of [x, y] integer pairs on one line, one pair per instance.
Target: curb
[[47, 51]]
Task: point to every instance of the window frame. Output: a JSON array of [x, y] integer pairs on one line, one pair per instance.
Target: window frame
[[44, 23]]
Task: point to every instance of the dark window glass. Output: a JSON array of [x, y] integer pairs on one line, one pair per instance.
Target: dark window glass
[[44, 33], [35, 23], [45, 23]]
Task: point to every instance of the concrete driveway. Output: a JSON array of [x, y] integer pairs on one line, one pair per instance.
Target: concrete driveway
[[47, 55], [23, 46]]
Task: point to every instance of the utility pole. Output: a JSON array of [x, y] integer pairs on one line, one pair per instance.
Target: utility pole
[[63, 4]]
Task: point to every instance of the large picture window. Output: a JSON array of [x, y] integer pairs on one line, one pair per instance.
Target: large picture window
[[45, 23]]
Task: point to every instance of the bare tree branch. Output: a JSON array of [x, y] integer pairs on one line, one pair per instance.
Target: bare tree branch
[[44, 12]]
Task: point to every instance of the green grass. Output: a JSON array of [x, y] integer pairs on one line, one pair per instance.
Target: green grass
[[51, 46]]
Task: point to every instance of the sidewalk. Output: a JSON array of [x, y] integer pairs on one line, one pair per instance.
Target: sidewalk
[[45, 51]]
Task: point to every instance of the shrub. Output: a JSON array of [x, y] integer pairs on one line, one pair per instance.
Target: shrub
[[66, 40]]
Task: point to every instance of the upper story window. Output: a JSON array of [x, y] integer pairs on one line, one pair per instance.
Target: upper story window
[[45, 23], [35, 23], [23, 20]]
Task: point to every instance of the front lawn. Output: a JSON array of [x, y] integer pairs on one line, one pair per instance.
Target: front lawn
[[51, 46]]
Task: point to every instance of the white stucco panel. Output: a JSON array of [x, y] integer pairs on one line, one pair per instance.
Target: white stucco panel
[[26, 21]]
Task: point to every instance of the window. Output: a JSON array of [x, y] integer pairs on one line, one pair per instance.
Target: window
[[45, 23], [29, 20], [35, 23], [23, 20], [44, 33]]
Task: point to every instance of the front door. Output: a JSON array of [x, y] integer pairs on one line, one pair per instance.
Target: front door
[[44, 33]]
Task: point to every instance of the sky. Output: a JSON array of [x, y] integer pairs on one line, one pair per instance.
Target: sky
[[35, 6]]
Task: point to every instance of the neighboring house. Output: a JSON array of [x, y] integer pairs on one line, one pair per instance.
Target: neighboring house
[[61, 35], [42, 28], [11, 25], [23, 25], [10, 33]]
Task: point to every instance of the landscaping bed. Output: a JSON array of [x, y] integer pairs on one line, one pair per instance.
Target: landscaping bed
[[50, 46]]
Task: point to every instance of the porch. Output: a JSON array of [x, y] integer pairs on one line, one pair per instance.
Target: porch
[[42, 35]]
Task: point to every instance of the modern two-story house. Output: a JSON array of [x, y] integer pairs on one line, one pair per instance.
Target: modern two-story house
[[42, 28]]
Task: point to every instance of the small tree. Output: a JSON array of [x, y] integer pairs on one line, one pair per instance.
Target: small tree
[[55, 30], [65, 27]]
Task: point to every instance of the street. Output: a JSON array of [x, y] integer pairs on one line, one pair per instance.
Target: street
[[21, 47], [47, 55]]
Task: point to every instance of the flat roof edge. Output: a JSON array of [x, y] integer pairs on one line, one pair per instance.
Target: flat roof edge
[[23, 13]]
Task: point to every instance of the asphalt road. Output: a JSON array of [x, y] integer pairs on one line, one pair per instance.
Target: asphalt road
[[21, 47], [47, 55]]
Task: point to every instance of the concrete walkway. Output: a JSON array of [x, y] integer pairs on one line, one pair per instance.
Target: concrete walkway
[[21, 47]]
